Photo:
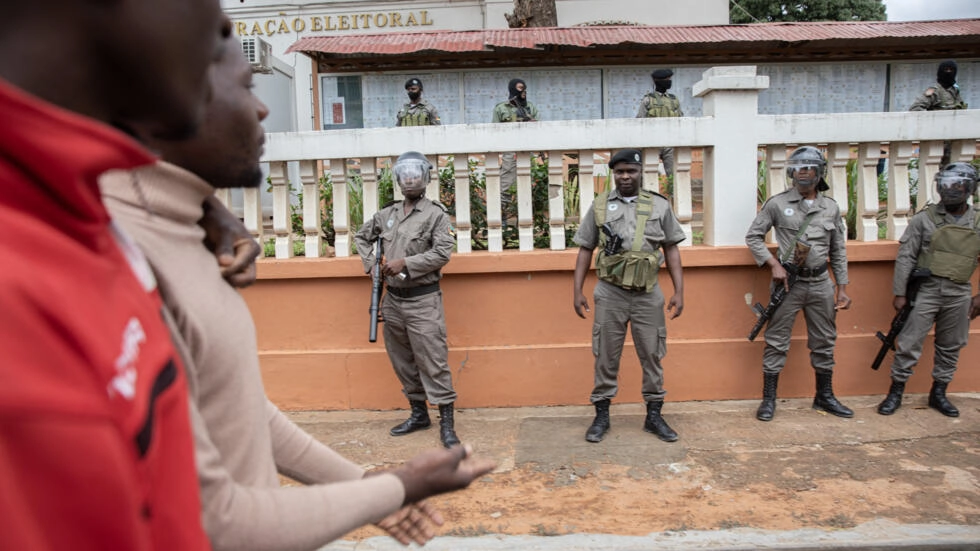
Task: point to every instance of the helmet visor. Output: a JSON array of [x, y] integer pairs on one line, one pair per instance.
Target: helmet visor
[[953, 181], [411, 173]]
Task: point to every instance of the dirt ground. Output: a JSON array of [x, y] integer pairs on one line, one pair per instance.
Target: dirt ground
[[809, 471]]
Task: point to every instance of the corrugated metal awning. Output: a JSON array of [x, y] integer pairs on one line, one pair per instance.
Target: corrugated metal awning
[[860, 40]]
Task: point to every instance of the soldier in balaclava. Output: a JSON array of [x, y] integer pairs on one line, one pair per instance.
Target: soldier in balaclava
[[661, 103]]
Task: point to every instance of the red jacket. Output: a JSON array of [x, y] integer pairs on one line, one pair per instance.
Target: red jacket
[[95, 441]]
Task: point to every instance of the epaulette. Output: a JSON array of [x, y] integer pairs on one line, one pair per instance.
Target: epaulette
[[444, 208], [388, 204]]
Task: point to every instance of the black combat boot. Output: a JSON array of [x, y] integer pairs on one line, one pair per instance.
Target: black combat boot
[[768, 406], [600, 425], [655, 423], [825, 400], [893, 401], [417, 421], [937, 400], [447, 428]]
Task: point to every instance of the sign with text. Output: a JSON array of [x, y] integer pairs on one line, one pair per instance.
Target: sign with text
[[337, 22]]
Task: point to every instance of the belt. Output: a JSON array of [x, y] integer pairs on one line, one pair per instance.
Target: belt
[[812, 272], [412, 292]]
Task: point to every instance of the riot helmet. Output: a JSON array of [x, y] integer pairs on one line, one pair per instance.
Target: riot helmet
[[955, 183], [807, 157], [412, 170]]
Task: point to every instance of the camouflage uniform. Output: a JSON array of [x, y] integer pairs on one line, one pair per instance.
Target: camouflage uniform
[[814, 294], [422, 113], [506, 112], [938, 98], [414, 319], [656, 104]]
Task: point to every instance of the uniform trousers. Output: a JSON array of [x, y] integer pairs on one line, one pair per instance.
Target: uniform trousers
[[816, 298], [615, 308], [415, 338], [951, 314]]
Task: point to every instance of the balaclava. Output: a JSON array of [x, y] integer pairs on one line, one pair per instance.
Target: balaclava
[[514, 94], [946, 75]]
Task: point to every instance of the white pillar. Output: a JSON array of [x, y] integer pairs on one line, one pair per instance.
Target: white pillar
[[731, 96]]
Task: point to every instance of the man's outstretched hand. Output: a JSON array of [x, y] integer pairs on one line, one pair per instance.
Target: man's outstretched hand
[[416, 522], [438, 471]]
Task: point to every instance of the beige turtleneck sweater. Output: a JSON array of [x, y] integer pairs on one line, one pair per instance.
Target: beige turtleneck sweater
[[241, 438]]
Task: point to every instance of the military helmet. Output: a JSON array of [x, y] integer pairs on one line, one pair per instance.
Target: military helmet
[[412, 165], [807, 157], [957, 175]]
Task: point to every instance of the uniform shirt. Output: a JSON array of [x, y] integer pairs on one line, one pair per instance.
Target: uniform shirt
[[95, 441], [662, 228], [938, 98], [412, 112], [669, 102], [916, 240], [506, 112], [424, 238], [826, 233]]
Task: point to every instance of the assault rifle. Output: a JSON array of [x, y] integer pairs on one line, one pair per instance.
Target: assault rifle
[[523, 115], [916, 278], [780, 290], [377, 285], [613, 242]]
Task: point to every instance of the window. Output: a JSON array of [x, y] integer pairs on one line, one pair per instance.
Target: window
[[341, 104]]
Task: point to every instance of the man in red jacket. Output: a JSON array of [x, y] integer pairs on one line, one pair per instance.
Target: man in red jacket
[[95, 444]]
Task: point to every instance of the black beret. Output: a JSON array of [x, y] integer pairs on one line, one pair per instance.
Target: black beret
[[661, 74], [413, 82], [632, 156]]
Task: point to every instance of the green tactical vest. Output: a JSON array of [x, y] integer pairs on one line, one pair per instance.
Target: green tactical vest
[[953, 251], [948, 100], [419, 118], [634, 269], [662, 105]]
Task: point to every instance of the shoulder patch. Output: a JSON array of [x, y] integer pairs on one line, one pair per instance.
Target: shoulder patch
[[930, 91]]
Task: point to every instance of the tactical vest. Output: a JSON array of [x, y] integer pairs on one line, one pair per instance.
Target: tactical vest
[[634, 269], [416, 117], [663, 105], [953, 251]]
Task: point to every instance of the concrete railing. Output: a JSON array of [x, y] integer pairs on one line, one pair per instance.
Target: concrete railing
[[731, 134]]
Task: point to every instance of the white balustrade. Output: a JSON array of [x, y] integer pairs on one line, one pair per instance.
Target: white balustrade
[[729, 135]]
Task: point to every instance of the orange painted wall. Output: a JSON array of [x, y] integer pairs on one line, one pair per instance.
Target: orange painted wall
[[515, 340]]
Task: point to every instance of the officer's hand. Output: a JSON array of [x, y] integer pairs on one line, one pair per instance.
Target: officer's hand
[[842, 301], [233, 247], [975, 307], [439, 470], [393, 267], [899, 302], [676, 306], [416, 522], [779, 275], [581, 305]]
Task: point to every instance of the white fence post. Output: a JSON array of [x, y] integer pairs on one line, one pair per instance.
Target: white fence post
[[731, 96]]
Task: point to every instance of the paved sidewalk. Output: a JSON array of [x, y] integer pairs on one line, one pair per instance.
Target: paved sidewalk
[[908, 481]]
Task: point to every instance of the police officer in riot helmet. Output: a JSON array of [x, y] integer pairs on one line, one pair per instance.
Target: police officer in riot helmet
[[943, 238], [417, 240], [811, 235], [418, 111]]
